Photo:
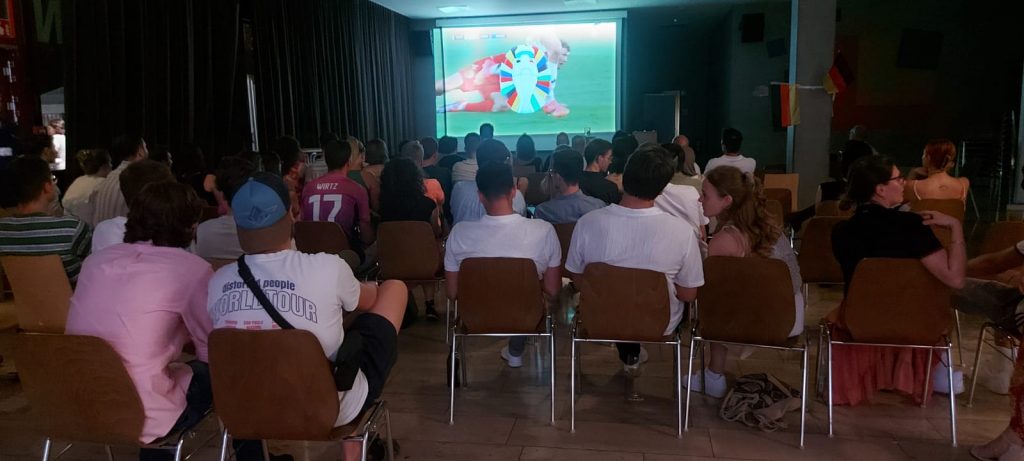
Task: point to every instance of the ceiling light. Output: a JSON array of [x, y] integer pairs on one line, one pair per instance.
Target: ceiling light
[[453, 9]]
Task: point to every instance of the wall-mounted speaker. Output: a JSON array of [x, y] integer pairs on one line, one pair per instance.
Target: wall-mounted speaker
[[752, 28]]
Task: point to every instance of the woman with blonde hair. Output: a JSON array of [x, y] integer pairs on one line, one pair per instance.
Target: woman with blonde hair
[[745, 229], [938, 158]]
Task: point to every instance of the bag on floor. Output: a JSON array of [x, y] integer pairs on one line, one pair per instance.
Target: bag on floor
[[760, 400]]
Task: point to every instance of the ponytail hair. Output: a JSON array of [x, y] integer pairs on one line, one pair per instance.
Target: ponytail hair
[[865, 174], [749, 210]]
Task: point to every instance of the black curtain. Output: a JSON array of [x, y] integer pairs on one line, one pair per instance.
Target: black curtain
[[168, 70], [331, 66]]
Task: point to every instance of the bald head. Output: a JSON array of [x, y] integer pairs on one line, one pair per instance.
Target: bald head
[[681, 141]]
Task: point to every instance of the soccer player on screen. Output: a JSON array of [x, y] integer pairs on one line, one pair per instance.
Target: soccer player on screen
[[475, 87]]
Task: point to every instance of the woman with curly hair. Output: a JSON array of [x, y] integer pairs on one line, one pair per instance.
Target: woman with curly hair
[[744, 229]]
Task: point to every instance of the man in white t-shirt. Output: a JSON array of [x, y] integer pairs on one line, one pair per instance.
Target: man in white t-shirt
[[217, 238], [682, 201], [313, 292], [133, 178], [732, 139], [636, 234], [503, 233]]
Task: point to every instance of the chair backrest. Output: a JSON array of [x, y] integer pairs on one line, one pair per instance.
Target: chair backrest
[[746, 300], [534, 192], [789, 181], [78, 388], [564, 232], [783, 196], [217, 263], [1002, 235], [42, 292], [320, 237], [817, 263], [273, 384], [500, 295], [831, 208], [208, 213], [623, 304], [407, 250], [897, 301], [952, 207], [775, 212]]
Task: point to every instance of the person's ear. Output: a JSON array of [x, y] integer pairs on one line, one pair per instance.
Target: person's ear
[[48, 187], [727, 201]]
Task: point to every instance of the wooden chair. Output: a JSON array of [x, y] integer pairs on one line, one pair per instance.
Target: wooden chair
[[564, 232], [277, 384], [831, 208], [217, 263], [535, 194], [499, 297], [952, 207], [320, 237], [817, 263], [790, 181], [783, 196], [775, 212], [99, 405], [748, 302], [409, 251], [623, 305], [896, 303], [42, 292], [1002, 235]]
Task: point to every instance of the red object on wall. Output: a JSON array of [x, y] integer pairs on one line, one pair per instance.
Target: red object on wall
[[7, 19]]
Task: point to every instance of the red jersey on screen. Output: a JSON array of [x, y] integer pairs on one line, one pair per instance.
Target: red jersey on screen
[[482, 75], [335, 197]]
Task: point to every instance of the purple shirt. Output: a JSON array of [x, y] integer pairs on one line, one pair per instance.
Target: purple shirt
[[147, 302], [335, 197]]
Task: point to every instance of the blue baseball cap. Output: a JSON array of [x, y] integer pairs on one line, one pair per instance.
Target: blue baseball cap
[[261, 202]]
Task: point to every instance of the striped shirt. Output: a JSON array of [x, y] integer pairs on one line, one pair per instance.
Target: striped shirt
[[106, 199], [39, 234]]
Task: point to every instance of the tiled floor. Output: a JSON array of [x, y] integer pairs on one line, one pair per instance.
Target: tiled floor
[[503, 414]]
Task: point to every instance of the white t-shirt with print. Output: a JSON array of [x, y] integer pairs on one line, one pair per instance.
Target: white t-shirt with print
[[639, 239], [745, 164], [311, 291], [508, 236]]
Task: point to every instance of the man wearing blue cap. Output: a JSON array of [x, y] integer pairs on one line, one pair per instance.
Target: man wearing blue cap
[[313, 292]]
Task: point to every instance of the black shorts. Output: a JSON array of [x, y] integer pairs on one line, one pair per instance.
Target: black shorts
[[380, 349]]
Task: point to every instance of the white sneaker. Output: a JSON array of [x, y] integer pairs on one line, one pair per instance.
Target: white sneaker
[[513, 361], [940, 380], [717, 387]]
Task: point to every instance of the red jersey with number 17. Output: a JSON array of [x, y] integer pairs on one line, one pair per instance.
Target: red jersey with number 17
[[335, 197]]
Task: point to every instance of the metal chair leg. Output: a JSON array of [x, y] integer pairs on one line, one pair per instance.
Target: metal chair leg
[[803, 397], [572, 384], [110, 454], [463, 363], [451, 381], [977, 363], [224, 445], [46, 449], [952, 395], [928, 378], [959, 338], [447, 319], [390, 439], [689, 372], [679, 386], [818, 381], [266, 451], [828, 382], [551, 352], [177, 450]]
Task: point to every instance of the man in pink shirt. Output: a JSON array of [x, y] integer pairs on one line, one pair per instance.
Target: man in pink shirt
[[147, 298], [335, 197]]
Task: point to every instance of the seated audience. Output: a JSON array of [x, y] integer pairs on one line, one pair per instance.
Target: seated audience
[[335, 197], [465, 202], [269, 162], [732, 139], [134, 177], [323, 280], [189, 168], [413, 150], [579, 143], [834, 189], [432, 170], [623, 145], [681, 201], [217, 238], [933, 180], [147, 299], [356, 161], [737, 200], [526, 156], [562, 139], [569, 203], [635, 234], [42, 146], [503, 233], [448, 148], [32, 188], [403, 198], [293, 167], [486, 131], [466, 169], [95, 163], [878, 229], [376, 157], [594, 182], [687, 170], [106, 200]]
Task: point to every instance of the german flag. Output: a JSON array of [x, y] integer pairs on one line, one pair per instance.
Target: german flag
[[785, 107], [839, 76]]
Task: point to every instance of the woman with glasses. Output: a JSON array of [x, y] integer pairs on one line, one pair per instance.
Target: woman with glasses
[[879, 229]]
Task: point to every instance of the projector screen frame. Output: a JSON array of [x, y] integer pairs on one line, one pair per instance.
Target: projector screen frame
[[543, 142]]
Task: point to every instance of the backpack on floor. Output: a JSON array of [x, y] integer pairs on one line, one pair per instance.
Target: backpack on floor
[[760, 400]]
